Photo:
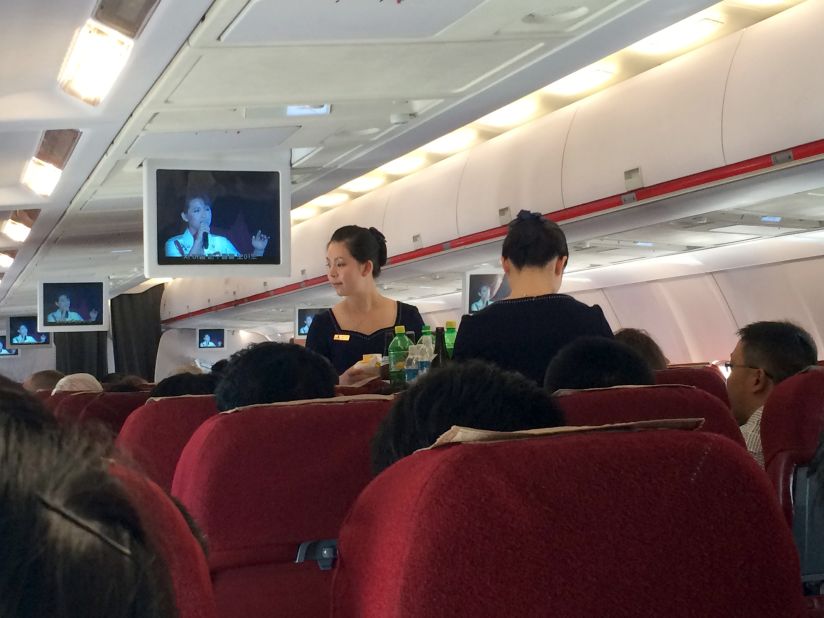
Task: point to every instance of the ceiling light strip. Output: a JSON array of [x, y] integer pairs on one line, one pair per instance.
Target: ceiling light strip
[[802, 153]]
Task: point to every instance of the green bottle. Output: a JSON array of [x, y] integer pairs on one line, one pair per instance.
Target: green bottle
[[398, 351], [449, 336]]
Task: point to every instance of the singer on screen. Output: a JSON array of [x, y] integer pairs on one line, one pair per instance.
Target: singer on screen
[[64, 313], [198, 241]]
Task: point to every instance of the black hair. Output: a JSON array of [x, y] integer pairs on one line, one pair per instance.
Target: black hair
[[533, 240], [640, 341], [780, 349], [111, 378], [219, 367], [596, 362], [270, 372], [365, 245], [73, 544], [185, 384], [23, 408], [472, 394]]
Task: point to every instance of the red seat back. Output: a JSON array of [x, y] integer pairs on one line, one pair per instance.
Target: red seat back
[[263, 479], [155, 433], [69, 407], [791, 427], [112, 409], [621, 524], [174, 541], [602, 406], [706, 378]]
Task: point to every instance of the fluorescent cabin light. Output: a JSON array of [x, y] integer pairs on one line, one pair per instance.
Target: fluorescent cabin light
[[41, 177], [684, 34], [330, 200], [511, 115], [95, 59], [452, 142], [18, 232], [404, 165], [302, 213], [6, 260], [583, 81], [309, 110], [364, 183]]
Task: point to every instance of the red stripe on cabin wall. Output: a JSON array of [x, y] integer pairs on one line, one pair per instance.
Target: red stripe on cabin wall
[[693, 181]]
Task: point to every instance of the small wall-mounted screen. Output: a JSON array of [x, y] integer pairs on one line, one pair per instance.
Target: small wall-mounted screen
[[484, 289], [72, 306], [6, 351], [23, 331], [211, 337], [304, 320]]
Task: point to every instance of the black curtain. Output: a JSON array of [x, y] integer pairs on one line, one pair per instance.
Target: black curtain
[[136, 331], [82, 353]]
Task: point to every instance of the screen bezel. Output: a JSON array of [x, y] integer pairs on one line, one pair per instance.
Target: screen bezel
[[466, 299], [13, 352], [217, 347], [315, 311], [45, 327], [10, 333], [237, 268]]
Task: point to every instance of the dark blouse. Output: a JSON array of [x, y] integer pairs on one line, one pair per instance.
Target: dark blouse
[[524, 334], [344, 348]]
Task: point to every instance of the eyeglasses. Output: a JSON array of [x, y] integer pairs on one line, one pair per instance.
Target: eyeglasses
[[729, 365]]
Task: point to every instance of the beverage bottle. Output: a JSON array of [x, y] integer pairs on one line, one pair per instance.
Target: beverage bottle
[[426, 335], [427, 349], [449, 336], [398, 351], [441, 354], [411, 365]]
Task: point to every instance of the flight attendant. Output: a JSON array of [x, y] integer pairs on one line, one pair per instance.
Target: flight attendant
[[361, 323], [524, 331]]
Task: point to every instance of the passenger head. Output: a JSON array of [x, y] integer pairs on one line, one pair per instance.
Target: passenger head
[[596, 362], [354, 258], [19, 405], [111, 378], [185, 384], [73, 545], [44, 380], [766, 354], [270, 372], [126, 384], [640, 341], [470, 394], [218, 368], [534, 242], [78, 382]]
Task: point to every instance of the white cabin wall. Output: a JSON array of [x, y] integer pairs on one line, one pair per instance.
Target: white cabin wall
[[178, 347], [27, 361], [598, 297]]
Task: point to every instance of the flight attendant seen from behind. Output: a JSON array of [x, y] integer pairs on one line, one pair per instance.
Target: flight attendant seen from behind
[[358, 324], [526, 329], [197, 239]]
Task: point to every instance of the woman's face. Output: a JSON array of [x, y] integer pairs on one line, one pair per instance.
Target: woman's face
[[22, 330], [197, 213], [344, 272]]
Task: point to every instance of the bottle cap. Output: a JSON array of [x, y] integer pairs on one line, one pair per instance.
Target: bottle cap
[[400, 330], [426, 328], [451, 324]]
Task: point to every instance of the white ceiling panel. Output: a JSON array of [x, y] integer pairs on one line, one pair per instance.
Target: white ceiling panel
[[330, 73], [171, 144], [15, 150], [265, 22]]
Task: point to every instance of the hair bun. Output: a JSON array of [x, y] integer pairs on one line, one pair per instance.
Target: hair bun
[[526, 215], [378, 235]]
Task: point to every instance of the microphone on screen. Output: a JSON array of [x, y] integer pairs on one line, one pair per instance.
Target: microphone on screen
[[205, 240]]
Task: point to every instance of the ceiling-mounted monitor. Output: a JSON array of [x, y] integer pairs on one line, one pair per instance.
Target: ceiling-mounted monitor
[[483, 288], [64, 306], [303, 319], [205, 218], [23, 332], [6, 351], [211, 338]]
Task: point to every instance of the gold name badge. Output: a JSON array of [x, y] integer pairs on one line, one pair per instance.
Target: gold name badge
[[341, 337]]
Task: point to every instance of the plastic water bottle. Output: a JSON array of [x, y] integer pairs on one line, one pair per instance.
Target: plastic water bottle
[[449, 336], [398, 352], [411, 365]]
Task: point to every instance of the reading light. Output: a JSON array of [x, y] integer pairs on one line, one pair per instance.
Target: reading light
[[302, 213], [330, 200], [771, 219], [404, 165], [96, 57], [452, 142], [364, 183], [6, 260], [15, 230], [511, 115], [41, 177], [679, 36], [582, 81]]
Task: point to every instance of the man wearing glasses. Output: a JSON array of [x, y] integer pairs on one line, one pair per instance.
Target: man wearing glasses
[[766, 354]]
